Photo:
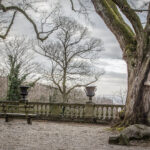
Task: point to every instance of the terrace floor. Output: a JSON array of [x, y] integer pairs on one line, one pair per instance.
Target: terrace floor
[[43, 135]]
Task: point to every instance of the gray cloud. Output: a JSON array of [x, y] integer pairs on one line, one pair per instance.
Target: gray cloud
[[112, 52], [115, 77]]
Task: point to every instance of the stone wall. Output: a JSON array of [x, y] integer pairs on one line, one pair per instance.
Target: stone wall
[[94, 113]]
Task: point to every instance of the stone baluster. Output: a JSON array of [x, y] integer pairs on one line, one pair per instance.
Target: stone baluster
[[45, 108], [40, 109], [97, 111], [106, 117], [83, 111], [80, 111], [117, 112], [34, 108], [112, 112], [49, 110], [63, 107], [69, 111], [102, 113], [37, 109], [74, 111], [66, 111]]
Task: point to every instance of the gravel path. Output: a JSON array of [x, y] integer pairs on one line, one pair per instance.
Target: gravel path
[[42, 135]]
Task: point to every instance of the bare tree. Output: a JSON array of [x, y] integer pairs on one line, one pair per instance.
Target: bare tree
[[70, 55], [18, 65]]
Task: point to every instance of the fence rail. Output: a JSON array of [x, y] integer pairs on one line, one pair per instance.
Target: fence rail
[[66, 111]]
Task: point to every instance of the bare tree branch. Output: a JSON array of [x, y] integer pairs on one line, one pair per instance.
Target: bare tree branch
[[9, 27], [17, 9]]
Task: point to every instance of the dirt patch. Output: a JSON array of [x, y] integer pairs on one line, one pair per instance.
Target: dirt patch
[[43, 135]]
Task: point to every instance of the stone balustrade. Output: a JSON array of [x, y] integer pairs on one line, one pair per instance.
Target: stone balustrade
[[97, 113]]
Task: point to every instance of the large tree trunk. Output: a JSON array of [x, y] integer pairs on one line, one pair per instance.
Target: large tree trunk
[[138, 97]]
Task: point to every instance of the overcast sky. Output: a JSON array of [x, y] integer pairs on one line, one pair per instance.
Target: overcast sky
[[115, 77]]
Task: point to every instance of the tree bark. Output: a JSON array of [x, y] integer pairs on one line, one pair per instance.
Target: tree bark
[[138, 97]]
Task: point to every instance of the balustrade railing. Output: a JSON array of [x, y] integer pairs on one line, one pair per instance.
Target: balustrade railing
[[67, 111]]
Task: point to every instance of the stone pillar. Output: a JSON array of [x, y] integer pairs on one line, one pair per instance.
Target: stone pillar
[[56, 110], [89, 112]]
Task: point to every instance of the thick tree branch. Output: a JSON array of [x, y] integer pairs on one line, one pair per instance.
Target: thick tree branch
[[131, 15], [112, 18], [147, 27]]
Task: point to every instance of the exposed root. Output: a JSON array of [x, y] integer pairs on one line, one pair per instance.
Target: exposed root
[[133, 132]]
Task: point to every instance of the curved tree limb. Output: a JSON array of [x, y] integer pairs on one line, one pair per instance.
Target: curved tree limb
[[15, 8], [9, 27], [147, 27], [110, 14], [131, 15]]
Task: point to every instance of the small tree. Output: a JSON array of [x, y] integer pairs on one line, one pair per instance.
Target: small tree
[[18, 65], [70, 54]]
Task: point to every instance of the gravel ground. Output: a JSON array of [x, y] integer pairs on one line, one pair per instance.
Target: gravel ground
[[42, 135]]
